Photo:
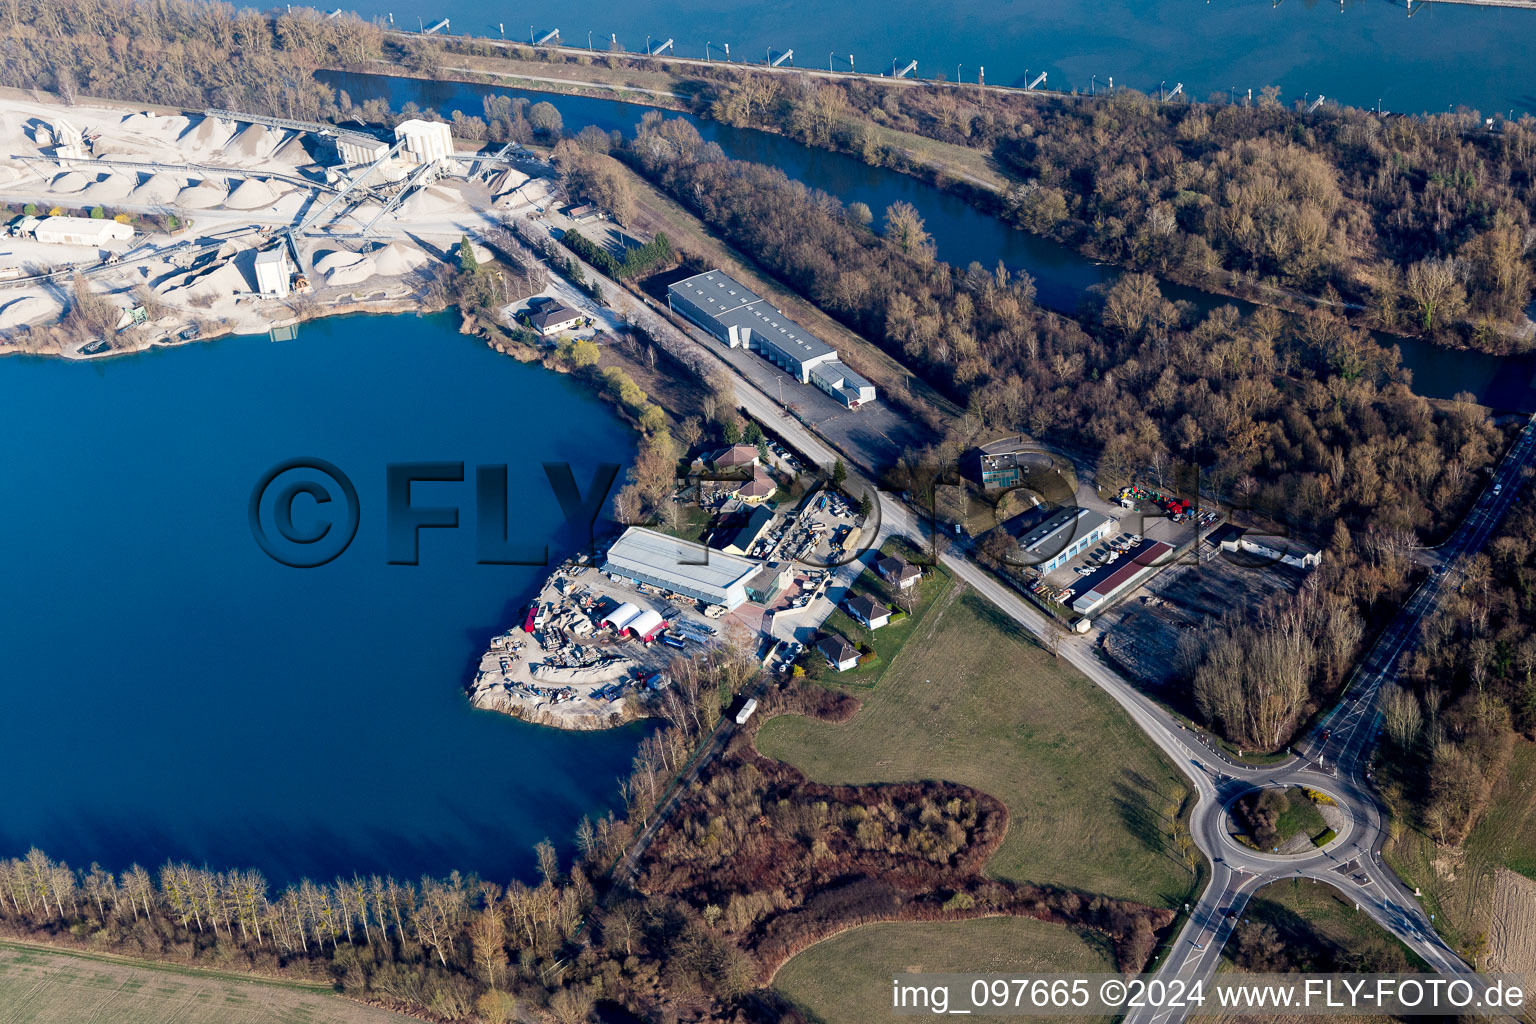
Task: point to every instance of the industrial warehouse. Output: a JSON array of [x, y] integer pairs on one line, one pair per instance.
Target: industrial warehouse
[[739, 317], [680, 567]]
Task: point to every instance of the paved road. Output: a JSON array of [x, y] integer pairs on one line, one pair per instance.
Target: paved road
[[1352, 862], [1332, 760]]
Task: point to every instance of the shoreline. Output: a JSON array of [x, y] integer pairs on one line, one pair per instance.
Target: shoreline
[[364, 307]]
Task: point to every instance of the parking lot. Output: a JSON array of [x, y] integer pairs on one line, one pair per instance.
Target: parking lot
[[1142, 635]]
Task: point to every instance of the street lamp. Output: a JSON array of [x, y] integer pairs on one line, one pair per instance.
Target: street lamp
[[958, 76], [1160, 91], [706, 49], [778, 379], [830, 55], [647, 46], [1093, 85], [589, 40]]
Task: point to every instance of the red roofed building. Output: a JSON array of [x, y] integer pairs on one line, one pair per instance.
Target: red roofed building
[[1132, 573]]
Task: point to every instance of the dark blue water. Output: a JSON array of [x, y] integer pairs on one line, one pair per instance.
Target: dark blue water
[[170, 692], [1361, 52], [962, 234]]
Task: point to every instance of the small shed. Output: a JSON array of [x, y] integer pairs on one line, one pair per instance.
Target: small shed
[[621, 617]]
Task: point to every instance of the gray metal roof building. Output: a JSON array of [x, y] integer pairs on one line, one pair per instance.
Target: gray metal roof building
[[1063, 534], [739, 316], [680, 566]]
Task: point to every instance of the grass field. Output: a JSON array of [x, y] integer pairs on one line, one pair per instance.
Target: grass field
[[847, 979], [1458, 884], [1316, 916], [971, 699], [888, 640], [44, 986]]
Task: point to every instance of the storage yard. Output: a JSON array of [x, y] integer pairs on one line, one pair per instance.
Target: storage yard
[[1142, 635], [168, 216], [599, 636], [585, 644]]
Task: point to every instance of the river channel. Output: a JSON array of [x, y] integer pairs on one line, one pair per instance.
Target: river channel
[[961, 232]]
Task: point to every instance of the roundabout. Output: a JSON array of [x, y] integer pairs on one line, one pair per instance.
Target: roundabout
[[1286, 823]]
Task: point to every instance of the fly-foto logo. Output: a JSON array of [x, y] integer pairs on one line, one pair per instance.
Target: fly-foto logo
[[333, 511]]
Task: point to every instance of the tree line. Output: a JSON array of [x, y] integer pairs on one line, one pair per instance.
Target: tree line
[[709, 918], [1468, 691], [1411, 224]]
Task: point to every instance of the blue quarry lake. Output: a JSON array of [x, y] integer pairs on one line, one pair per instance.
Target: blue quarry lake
[[171, 692], [1358, 52]]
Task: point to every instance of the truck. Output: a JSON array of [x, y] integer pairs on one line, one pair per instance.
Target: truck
[[746, 711]]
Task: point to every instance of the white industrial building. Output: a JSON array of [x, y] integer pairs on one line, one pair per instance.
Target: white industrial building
[[274, 272], [1064, 534], [81, 231], [740, 317], [357, 148], [425, 141], [1280, 549], [680, 567], [843, 384]]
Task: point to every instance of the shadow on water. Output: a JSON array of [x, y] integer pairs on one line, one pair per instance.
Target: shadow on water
[[961, 233]]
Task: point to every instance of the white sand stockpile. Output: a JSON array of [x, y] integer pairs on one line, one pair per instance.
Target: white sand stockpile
[[256, 142], [10, 172], [292, 153], [397, 259], [342, 268], [27, 310], [252, 194], [109, 189], [157, 190], [69, 182], [202, 196], [429, 202], [216, 284], [210, 134], [508, 181]]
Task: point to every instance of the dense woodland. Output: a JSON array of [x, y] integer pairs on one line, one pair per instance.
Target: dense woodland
[[1470, 687], [1416, 225], [1412, 224]]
